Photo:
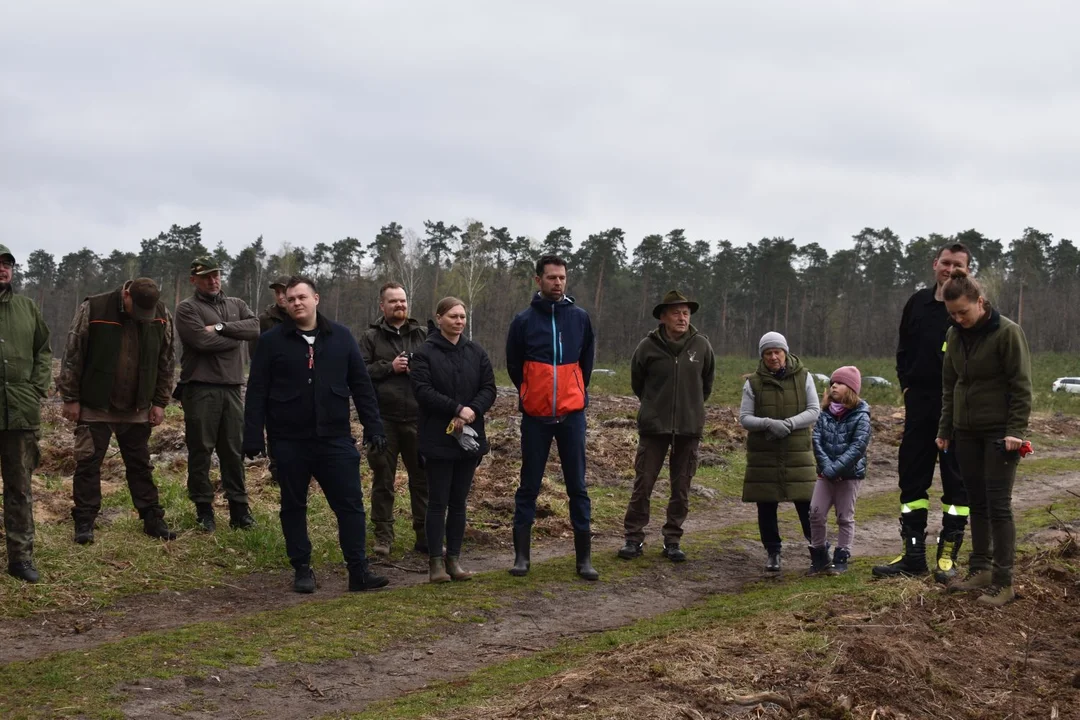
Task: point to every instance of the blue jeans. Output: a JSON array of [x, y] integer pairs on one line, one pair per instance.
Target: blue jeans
[[335, 465], [569, 437]]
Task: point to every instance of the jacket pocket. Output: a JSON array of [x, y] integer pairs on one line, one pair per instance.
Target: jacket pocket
[[84, 443], [337, 410], [537, 386]]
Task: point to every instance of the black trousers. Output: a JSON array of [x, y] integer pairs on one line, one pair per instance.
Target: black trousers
[[449, 482], [990, 474], [769, 527], [335, 465], [919, 455]]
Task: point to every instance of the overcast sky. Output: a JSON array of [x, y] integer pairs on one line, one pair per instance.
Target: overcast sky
[[308, 122]]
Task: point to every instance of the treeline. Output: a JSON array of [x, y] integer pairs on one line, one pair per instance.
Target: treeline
[[846, 303]]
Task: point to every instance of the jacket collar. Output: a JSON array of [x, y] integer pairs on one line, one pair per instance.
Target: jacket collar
[[547, 306], [321, 323], [445, 345], [990, 323], [6, 294], [408, 326]]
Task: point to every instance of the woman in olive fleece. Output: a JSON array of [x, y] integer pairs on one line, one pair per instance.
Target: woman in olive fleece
[[986, 402]]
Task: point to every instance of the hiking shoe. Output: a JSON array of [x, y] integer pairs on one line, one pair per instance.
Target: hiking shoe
[[382, 548], [673, 553], [997, 596], [84, 532], [240, 517], [819, 561], [155, 527], [974, 580], [24, 570], [204, 517], [772, 562], [631, 550], [304, 580], [364, 580], [420, 547]]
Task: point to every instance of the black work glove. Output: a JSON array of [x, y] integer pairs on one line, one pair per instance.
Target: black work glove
[[376, 444]]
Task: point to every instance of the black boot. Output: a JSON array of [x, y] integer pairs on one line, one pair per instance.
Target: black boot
[[819, 560], [630, 550], [772, 562], [913, 562], [673, 552], [24, 570], [522, 538], [84, 532], [304, 580], [204, 516], [840, 560], [583, 550], [949, 542], [240, 516], [361, 579]]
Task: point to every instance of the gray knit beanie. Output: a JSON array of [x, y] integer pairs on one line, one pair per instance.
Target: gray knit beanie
[[771, 340]]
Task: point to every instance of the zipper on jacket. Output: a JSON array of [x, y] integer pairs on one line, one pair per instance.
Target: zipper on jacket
[[674, 399], [554, 365]]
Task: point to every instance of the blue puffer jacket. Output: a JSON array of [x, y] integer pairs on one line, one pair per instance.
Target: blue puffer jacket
[[840, 443]]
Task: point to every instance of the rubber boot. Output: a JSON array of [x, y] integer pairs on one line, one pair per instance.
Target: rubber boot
[[772, 560], [952, 537], [819, 561], [437, 571], [583, 550], [522, 538], [913, 562], [454, 569]]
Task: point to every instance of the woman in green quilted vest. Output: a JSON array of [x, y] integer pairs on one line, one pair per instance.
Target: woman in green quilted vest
[[779, 408]]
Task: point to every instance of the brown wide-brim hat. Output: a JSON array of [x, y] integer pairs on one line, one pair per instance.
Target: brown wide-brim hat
[[674, 297]]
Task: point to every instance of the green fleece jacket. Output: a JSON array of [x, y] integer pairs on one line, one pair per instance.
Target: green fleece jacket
[[986, 379], [673, 381]]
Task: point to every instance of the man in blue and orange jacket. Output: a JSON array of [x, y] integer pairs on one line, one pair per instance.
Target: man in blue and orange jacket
[[549, 356]]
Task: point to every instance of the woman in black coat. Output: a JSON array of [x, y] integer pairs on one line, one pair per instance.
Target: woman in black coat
[[454, 386]]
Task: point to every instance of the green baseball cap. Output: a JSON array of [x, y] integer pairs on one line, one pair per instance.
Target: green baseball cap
[[204, 266], [4, 252], [281, 281]]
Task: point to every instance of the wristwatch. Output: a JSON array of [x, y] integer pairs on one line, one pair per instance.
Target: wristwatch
[[219, 327]]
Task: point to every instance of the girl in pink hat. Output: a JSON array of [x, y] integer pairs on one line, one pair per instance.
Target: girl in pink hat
[[841, 437]]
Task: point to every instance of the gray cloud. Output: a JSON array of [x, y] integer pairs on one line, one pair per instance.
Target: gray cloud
[[732, 120]]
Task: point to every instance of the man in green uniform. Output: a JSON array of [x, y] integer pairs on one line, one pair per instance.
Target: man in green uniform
[[25, 366], [213, 329], [116, 378]]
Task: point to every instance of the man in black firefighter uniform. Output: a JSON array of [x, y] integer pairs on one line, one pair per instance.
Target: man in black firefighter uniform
[[919, 356]]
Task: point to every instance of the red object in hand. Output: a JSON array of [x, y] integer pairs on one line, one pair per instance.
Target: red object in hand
[[1026, 448]]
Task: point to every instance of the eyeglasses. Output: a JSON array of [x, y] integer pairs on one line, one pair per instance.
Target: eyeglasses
[[7, 265]]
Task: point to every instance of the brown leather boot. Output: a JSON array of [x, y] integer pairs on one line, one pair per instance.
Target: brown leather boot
[[457, 573], [437, 571]]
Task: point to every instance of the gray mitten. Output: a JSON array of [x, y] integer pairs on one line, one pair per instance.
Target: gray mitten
[[779, 429]]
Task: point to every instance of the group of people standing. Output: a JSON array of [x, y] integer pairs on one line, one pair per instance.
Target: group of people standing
[[421, 394]]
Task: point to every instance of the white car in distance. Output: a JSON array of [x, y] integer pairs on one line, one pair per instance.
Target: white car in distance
[[1066, 384]]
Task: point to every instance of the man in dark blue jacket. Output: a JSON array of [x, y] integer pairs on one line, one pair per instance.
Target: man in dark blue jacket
[[302, 376], [549, 356]]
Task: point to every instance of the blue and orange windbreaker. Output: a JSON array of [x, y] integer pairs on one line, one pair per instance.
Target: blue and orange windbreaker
[[549, 356]]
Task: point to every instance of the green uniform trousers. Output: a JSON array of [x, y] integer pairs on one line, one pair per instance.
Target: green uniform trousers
[[19, 457], [214, 420]]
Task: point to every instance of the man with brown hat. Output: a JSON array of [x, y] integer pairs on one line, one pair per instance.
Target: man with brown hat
[[671, 372], [25, 368], [116, 378], [213, 329]]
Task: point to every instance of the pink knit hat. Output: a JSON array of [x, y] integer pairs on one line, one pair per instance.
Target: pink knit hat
[[848, 375]]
